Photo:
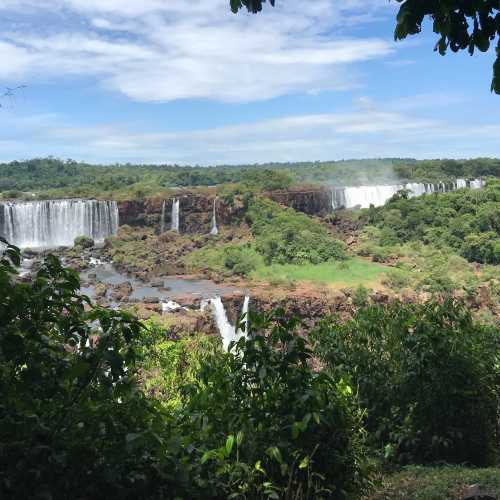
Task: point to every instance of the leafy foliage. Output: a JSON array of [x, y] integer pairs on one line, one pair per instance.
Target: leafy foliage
[[427, 376], [241, 260], [71, 418], [254, 423], [468, 221], [53, 178], [267, 426], [460, 24], [253, 6], [84, 242], [284, 236]]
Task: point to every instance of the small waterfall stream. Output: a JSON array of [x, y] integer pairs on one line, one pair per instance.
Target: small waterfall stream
[[54, 223], [214, 231], [175, 215], [162, 219], [228, 332]]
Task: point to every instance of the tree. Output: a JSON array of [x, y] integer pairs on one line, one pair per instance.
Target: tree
[[253, 6], [460, 24]]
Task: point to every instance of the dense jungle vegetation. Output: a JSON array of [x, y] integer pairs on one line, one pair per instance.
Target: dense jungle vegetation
[[466, 222], [96, 402], [50, 177]]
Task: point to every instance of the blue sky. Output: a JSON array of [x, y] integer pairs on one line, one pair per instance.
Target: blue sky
[[186, 81]]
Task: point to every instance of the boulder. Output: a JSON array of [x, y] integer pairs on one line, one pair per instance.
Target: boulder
[[151, 300], [100, 290]]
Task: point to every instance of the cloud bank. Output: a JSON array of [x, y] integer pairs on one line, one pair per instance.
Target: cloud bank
[[165, 50]]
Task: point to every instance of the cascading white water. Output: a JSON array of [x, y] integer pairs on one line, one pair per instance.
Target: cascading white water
[[476, 184], [175, 215], [228, 332], [364, 196], [162, 220], [214, 231], [244, 314], [54, 223]]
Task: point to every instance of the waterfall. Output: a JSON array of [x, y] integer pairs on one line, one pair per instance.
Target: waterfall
[[476, 184], [364, 196], [228, 332], [175, 215], [214, 231], [338, 198], [244, 314], [54, 223], [162, 219]]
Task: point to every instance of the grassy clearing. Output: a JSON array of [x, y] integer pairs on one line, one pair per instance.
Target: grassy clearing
[[351, 272], [435, 483]]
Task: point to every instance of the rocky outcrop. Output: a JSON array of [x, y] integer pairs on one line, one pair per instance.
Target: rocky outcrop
[[196, 209], [311, 201], [195, 212]]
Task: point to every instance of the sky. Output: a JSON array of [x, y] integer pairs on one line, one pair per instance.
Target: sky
[[188, 82]]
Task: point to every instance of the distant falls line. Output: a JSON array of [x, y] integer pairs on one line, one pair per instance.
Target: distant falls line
[[364, 196]]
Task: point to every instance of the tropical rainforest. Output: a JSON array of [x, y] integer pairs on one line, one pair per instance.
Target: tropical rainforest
[[51, 177]]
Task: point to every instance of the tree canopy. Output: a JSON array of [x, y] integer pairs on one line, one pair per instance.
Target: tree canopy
[[251, 5], [460, 24]]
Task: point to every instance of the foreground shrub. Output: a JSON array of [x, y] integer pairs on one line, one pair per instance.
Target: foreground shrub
[[84, 242], [255, 423], [71, 419], [427, 376], [266, 426]]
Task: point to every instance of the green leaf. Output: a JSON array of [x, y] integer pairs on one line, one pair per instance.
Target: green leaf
[[239, 438], [229, 444], [258, 467], [304, 463], [78, 369], [206, 456], [131, 437], [274, 452]]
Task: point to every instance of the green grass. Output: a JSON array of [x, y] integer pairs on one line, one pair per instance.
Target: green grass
[[352, 272], [435, 483]]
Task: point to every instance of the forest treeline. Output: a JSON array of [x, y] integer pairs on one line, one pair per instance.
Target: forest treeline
[[70, 178]]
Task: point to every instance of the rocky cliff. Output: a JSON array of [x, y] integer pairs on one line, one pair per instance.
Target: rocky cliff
[[195, 212], [196, 209], [311, 201]]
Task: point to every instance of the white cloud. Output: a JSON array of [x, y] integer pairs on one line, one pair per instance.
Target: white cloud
[[365, 132], [163, 50]]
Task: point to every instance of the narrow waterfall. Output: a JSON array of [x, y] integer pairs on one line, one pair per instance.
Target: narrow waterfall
[[244, 314], [54, 223], [338, 198], [228, 332], [162, 219], [214, 231], [364, 196], [175, 215]]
